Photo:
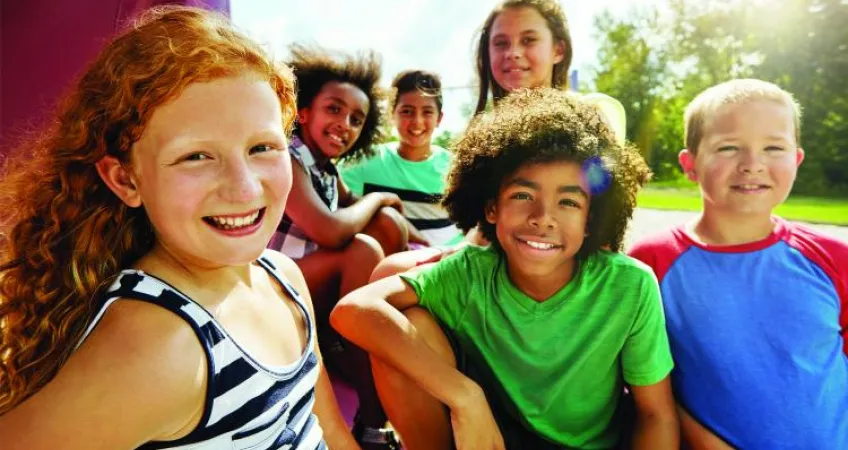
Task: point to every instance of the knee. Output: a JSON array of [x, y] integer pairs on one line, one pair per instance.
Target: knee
[[390, 226], [364, 251]]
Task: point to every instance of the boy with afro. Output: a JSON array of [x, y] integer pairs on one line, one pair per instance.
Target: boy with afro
[[529, 342]]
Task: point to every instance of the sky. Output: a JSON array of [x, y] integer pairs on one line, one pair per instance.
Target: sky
[[436, 35]]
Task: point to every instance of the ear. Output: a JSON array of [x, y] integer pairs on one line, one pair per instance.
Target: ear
[[559, 51], [687, 163], [799, 156], [302, 115], [439, 120], [491, 212], [119, 180]]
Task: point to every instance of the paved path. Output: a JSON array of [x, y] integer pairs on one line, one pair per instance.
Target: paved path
[[649, 221]]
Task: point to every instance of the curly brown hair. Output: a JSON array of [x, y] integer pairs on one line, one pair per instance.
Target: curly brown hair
[[316, 66], [68, 235], [551, 11], [538, 126]]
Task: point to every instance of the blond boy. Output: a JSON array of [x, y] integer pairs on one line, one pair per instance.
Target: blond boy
[[755, 305]]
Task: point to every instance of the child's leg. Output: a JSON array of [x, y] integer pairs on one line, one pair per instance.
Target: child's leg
[[422, 421], [330, 274], [388, 227]]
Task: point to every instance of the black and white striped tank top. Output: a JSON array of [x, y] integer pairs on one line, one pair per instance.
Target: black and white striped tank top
[[248, 405]]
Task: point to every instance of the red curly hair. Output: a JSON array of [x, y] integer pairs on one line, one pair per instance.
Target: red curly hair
[[63, 234]]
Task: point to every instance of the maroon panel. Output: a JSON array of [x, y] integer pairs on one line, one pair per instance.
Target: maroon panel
[[46, 44]]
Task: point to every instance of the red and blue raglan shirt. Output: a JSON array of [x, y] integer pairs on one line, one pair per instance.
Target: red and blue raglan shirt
[[759, 334]]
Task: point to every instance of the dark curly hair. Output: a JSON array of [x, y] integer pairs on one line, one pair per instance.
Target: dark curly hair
[[315, 66], [551, 11], [538, 126]]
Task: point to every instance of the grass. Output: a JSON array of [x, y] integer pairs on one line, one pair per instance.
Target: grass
[[684, 196]]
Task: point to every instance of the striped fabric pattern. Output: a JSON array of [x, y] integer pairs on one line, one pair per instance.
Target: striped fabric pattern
[[249, 405]]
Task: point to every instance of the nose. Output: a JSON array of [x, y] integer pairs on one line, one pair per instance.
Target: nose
[[240, 182], [751, 161], [344, 124], [540, 215], [418, 119]]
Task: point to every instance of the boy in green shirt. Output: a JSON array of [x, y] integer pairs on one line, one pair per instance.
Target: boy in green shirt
[[528, 342]]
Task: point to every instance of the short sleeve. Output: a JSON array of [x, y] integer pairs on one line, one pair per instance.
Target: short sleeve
[[646, 357], [443, 288]]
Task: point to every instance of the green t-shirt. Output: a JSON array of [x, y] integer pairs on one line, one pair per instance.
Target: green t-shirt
[[559, 365], [419, 184]]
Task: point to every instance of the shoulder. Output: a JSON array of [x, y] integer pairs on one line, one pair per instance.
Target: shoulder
[[285, 266], [465, 263], [377, 159], [441, 157], [824, 250], [660, 250], [142, 362], [620, 266], [612, 110], [440, 152], [145, 336], [478, 256], [663, 241], [288, 270], [804, 235]]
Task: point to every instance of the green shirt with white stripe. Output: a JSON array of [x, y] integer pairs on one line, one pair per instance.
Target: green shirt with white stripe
[[419, 184]]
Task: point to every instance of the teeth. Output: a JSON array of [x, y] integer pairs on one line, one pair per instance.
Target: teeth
[[748, 187], [540, 245], [336, 138], [235, 222]]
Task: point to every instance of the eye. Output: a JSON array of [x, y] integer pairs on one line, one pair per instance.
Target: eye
[[499, 44], [356, 121], [728, 148], [569, 202], [264, 148], [196, 156], [774, 148], [528, 40], [520, 196], [333, 109]]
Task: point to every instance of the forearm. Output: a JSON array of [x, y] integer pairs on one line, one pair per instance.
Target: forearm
[[356, 216], [697, 437], [336, 433], [385, 333], [656, 432]]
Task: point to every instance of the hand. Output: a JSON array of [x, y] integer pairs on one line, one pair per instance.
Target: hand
[[474, 426], [391, 200], [415, 236]]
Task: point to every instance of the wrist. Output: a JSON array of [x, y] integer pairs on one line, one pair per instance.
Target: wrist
[[467, 395]]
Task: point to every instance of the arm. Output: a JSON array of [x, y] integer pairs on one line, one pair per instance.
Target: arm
[[326, 408], [696, 436], [337, 227], [142, 367], [656, 419], [371, 318]]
